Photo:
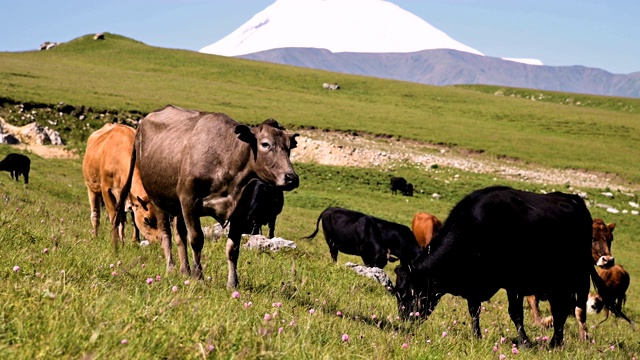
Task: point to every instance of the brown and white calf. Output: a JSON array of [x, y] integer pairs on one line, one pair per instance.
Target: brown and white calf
[[617, 281]]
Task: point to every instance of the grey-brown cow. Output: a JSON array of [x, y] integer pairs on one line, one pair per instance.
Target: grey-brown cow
[[195, 164]]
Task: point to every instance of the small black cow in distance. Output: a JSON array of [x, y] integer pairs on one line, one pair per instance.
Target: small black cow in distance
[[16, 165], [401, 184], [373, 239], [259, 205], [398, 184]]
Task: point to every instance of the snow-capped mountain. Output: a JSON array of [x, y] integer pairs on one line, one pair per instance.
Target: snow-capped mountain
[[363, 26], [378, 38]]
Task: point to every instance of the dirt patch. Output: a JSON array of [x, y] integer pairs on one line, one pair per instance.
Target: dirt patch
[[342, 149], [49, 151]]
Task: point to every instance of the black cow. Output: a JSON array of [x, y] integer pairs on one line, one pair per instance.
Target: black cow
[[501, 238], [371, 238], [398, 184], [16, 165], [259, 205], [193, 164], [408, 190]]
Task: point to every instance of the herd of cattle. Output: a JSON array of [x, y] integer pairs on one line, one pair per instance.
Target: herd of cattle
[[183, 164]]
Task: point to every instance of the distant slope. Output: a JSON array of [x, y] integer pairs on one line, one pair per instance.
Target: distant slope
[[118, 75], [451, 67]]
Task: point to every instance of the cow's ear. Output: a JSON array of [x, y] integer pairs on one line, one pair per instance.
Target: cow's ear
[[293, 143], [143, 203], [245, 134], [611, 227]]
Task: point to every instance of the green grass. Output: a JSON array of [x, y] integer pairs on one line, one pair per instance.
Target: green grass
[[66, 302], [121, 75]]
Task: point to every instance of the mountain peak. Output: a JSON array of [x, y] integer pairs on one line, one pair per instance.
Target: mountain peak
[[364, 26]]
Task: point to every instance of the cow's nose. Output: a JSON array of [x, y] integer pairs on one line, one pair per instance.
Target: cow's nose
[[606, 261], [291, 180]]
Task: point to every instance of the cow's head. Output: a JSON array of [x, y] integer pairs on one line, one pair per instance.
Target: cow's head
[[602, 237], [145, 218], [594, 304], [271, 147], [412, 291]]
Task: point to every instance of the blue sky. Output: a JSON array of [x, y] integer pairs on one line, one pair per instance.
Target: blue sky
[[595, 33]]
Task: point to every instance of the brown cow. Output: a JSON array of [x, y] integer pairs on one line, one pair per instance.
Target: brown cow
[[617, 281], [424, 226], [196, 164], [105, 168], [601, 253]]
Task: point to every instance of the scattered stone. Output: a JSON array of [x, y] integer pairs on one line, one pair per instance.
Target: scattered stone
[[331, 86], [372, 272], [215, 232], [260, 242]]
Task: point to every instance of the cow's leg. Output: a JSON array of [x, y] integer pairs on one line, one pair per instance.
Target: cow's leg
[[136, 231], [164, 221], [517, 316], [581, 296], [94, 204], [560, 308], [272, 228], [474, 311], [535, 311], [26, 177], [110, 201], [233, 252], [181, 240]]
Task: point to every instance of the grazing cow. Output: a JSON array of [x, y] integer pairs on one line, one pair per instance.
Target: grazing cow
[[398, 184], [195, 164], [16, 165], [408, 190], [616, 280], [373, 239], [492, 240], [259, 205], [424, 226], [600, 251], [105, 168]]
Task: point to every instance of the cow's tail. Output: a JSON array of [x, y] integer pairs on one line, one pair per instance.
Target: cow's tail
[[119, 219], [600, 286], [317, 228]]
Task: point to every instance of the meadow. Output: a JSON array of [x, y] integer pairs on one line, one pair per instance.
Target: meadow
[[68, 294]]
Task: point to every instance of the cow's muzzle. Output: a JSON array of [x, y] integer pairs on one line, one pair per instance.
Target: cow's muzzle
[[291, 181], [606, 261]]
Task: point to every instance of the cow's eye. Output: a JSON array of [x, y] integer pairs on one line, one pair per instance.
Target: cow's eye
[[147, 221], [265, 145]]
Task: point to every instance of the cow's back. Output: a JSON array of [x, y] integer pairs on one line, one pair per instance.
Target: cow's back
[[173, 142], [424, 226], [108, 156], [508, 235]]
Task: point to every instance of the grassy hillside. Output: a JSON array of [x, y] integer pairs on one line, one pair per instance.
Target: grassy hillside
[[120, 74], [73, 297], [66, 294]]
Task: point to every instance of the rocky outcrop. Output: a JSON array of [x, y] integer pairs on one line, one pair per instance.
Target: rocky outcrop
[[30, 134]]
